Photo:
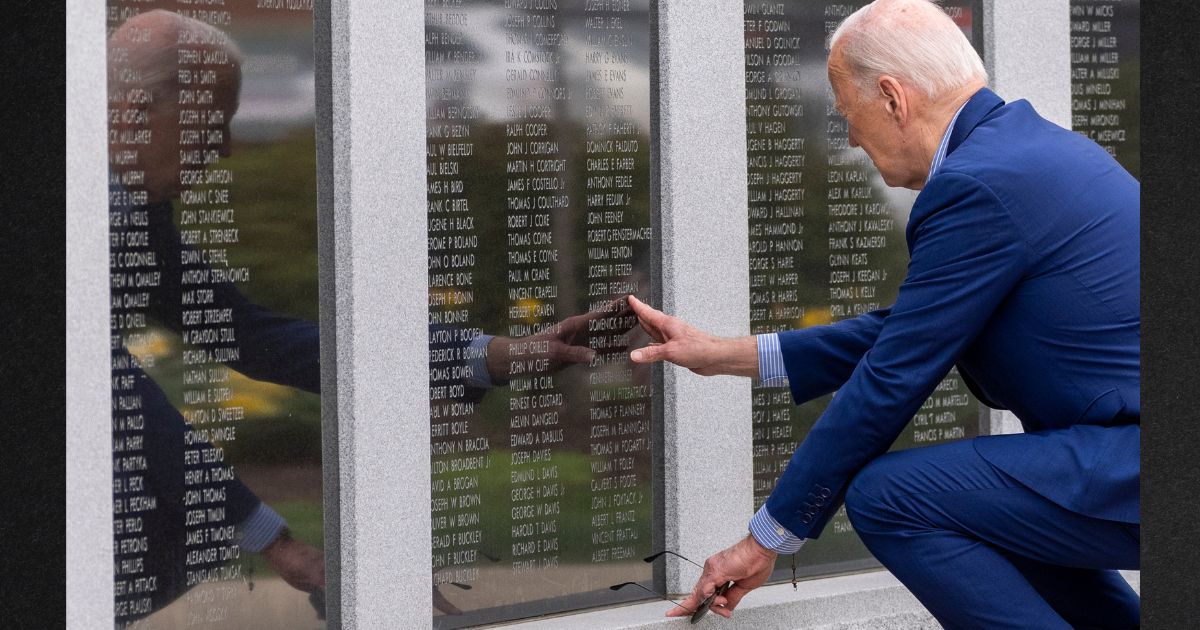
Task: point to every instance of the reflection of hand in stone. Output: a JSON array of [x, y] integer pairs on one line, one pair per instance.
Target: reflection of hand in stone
[[441, 603], [301, 565], [559, 346]]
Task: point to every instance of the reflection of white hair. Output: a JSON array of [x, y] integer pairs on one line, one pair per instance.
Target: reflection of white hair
[[145, 51], [912, 40]]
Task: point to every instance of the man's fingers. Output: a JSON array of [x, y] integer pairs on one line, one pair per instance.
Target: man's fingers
[[703, 593], [687, 606], [576, 354], [637, 305], [734, 596], [620, 307], [649, 354], [648, 314]]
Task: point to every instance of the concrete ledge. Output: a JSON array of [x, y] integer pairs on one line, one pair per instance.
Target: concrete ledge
[[863, 601]]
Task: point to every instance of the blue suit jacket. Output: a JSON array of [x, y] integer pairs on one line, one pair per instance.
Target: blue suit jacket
[[1023, 272]]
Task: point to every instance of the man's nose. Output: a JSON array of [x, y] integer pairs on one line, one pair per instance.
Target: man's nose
[[853, 140]]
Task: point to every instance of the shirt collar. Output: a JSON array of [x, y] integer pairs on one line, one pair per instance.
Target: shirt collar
[[940, 155]]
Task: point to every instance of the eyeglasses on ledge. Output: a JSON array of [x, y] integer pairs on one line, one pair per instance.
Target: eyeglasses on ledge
[[705, 605]]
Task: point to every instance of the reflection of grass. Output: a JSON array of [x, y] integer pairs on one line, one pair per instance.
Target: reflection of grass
[[282, 425], [154, 346], [304, 519], [575, 527], [815, 316], [274, 193], [275, 197], [258, 398], [294, 438]]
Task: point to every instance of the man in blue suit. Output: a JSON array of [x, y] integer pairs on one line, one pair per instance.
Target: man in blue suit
[[1024, 273]]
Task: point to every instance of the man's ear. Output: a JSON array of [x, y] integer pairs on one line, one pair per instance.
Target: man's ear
[[895, 100]]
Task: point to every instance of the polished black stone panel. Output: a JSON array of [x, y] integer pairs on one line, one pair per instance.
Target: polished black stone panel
[[1106, 71], [540, 223], [216, 435], [826, 240]]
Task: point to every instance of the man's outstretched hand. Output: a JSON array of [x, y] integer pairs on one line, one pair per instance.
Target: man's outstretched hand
[[301, 565], [687, 346], [747, 564]]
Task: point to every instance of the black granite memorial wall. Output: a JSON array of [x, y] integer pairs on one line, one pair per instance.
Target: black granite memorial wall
[[540, 223], [216, 434], [1106, 64], [826, 240]]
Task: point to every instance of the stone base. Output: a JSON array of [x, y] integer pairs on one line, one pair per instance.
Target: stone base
[[864, 601]]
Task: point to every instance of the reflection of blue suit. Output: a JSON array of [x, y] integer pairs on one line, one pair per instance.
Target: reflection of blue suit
[[270, 347], [1023, 273]]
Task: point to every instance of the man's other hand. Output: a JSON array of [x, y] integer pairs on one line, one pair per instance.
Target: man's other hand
[[301, 565], [747, 564], [687, 346]]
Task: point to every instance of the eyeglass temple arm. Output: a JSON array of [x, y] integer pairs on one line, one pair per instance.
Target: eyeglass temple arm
[[662, 553]]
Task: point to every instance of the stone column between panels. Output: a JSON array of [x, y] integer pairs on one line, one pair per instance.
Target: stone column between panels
[[374, 331], [1027, 55], [706, 279], [89, 569]]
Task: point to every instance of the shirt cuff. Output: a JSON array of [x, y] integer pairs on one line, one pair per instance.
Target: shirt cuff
[[770, 534], [261, 528], [770, 361], [477, 371]]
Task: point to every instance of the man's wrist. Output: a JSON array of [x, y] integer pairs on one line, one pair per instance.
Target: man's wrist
[[758, 548], [497, 360], [260, 529], [767, 532], [739, 356], [284, 537]]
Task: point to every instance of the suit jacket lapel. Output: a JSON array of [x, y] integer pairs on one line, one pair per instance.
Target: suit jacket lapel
[[978, 107]]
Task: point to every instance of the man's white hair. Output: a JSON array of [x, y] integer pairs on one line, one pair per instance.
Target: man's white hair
[[912, 40], [145, 49]]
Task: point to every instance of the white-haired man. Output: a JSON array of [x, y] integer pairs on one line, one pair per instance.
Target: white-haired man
[[143, 64], [1024, 273]]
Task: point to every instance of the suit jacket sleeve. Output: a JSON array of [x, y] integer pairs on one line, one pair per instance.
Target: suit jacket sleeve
[[270, 347], [818, 360], [966, 255]]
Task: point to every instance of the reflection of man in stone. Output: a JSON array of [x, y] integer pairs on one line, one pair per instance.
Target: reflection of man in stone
[[490, 361], [144, 62], [1024, 273]]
